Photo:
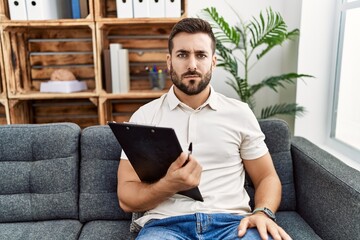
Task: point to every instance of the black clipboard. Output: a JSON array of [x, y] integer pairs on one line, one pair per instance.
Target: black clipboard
[[150, 150]]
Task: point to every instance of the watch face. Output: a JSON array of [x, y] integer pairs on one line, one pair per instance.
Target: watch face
[[269, 213]]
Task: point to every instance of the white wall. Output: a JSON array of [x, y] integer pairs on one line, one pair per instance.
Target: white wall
[[316, 56], [279, 60]]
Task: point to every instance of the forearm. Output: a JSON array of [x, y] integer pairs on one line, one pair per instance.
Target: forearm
[[268, 193], [140, 197]]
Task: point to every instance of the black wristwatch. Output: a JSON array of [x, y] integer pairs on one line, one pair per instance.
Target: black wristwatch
[[267, 211]]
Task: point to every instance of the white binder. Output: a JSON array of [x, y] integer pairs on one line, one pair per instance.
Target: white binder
[[124, 8], [141, 8], [157, 8], [173, 8], [48, 9], [17, 10]]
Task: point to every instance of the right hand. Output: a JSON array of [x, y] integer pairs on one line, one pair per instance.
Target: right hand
[[180, 177]]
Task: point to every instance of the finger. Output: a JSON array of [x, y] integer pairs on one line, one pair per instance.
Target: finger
[[243, 226], [274, 232], [284, 235], [179, 162], [262, 231]]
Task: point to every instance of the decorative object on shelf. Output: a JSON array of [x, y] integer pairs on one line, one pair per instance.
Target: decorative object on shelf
[[157, 78], [62, 81], [62, 75], [252, 40]]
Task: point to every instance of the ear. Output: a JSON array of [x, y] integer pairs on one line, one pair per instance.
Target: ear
[[213, 62], [168, 61]]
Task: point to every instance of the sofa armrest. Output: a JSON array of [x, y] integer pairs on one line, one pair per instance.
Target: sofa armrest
[[327, 191]]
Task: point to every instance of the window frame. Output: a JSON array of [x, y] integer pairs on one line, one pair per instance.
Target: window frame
[[332, 142]]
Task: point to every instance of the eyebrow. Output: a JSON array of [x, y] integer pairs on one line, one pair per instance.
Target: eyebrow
[[186, 51]]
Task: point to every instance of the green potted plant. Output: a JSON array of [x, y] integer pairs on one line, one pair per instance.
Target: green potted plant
[[253, 40]]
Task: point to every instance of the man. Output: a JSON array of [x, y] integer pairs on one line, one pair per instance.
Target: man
[[226, 138]]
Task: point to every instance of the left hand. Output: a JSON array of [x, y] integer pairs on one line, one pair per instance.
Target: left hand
[[264, 225]]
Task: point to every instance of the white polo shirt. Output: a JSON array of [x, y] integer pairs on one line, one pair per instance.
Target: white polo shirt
[[223, 131]]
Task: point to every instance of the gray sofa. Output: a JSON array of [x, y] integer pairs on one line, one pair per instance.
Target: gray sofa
[[59, 182]]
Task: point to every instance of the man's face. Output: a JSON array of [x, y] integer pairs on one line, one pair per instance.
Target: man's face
[[191, 62]]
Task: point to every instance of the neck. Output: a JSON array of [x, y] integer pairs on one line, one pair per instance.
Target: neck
[[193, 101]]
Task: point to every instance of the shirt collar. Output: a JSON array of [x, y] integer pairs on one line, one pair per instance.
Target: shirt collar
[[212, 102]]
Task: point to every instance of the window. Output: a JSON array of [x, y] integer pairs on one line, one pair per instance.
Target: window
[[346, 111]]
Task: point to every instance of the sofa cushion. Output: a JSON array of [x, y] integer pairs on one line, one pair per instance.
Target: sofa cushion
[[107, 230], [39, 172], [277, 139], [295, 226], [100, 155], [54, 230]]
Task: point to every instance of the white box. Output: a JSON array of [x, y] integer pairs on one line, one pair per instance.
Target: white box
[[173, 8], [17, 10], [156, 8], [124, 8], [63, 86], [48, 9], [141, 8]]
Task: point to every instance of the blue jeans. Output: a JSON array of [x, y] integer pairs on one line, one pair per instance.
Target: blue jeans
[[197, 226]]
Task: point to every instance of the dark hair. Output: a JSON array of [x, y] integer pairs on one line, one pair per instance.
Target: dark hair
[[192, 25]]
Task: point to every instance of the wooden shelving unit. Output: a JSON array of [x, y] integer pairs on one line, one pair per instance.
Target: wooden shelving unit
[[4, 108], [32, 50]]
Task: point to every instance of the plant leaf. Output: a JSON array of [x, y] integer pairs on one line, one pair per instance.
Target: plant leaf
[[271, 32], [282, 109], [226, 32], [277, 81]]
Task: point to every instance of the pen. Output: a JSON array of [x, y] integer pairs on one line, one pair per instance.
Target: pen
[[189, 153]]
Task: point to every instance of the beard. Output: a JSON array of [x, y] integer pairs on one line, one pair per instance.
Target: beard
[[192, 88]]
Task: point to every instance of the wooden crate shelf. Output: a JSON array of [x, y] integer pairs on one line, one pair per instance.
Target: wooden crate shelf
[[4, 112], [32, 50], [32, 53], [119, 110], [2, 75], [147, 45], [83, 112]]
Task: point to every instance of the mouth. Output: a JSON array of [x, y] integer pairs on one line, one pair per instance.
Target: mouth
[[191, 76]]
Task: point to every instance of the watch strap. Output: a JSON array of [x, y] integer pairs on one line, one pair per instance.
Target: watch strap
[[267, 211]]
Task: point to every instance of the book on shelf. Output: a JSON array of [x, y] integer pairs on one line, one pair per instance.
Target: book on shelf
[[75, 9], [124, 70], [107, 71], [84, 8], [120, 77]]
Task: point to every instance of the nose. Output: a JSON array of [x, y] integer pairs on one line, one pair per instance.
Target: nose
[[192, 63]]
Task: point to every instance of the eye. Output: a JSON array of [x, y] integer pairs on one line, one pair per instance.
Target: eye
[[182, 55], [201, 55]]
